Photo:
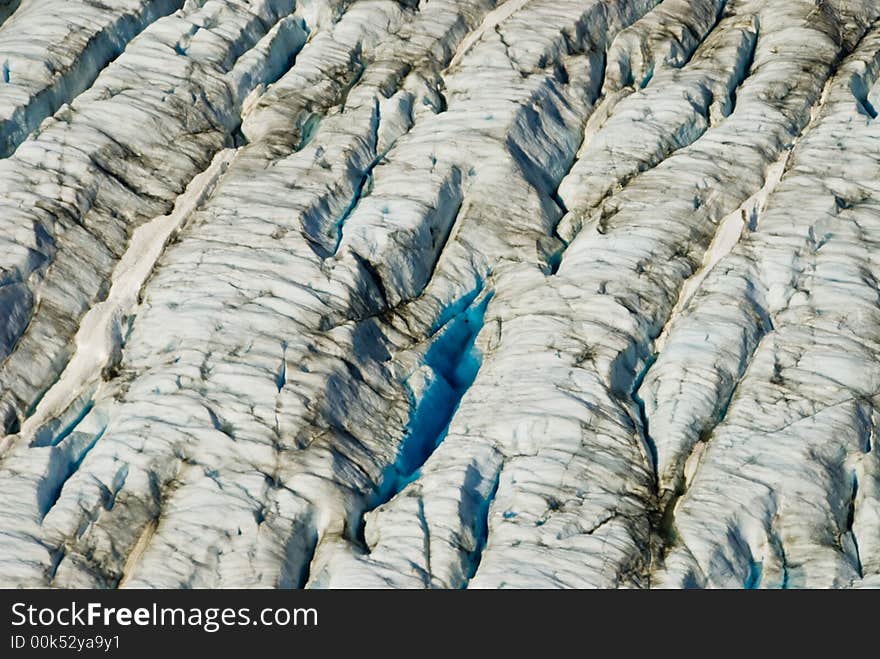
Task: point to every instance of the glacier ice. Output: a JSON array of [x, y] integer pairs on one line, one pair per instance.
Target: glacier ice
[[439, 293]]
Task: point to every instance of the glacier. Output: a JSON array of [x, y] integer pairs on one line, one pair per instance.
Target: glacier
[[439, 294]]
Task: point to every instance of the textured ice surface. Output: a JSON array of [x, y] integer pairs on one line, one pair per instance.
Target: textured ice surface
[[450, 293]]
